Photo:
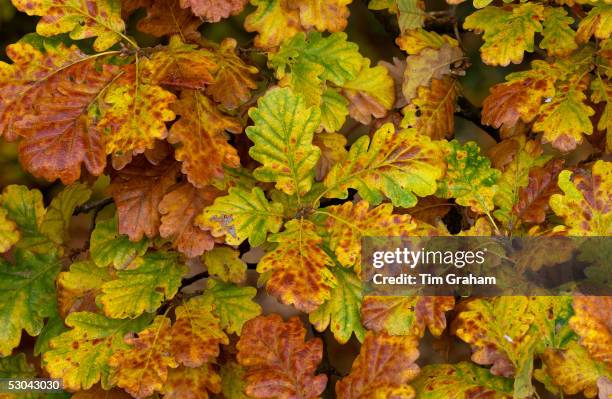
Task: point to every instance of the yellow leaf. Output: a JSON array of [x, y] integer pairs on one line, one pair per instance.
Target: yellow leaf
[[274, 21]]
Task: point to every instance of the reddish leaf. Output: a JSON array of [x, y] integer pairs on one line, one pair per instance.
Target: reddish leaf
[[384, 365], [179, 208], [137, 190], [279, 364], [214, 10], [533, 199], [166, 17]]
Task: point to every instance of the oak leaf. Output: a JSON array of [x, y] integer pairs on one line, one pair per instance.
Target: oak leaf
[[432, 112], [334, 110], [234, 79], [370, 94], [464, 379], [137, 190], [398, 165], [57, 218], [81, 18], [142, 368], [27, 295], [278, 362], [282, 137], [242, 214], [234, 305], [80, 356], [274, 21], [78, 287], [601, 92], [348, 223], [574, 371], [214, 10], [166, 18], [533, 199], [597, 22], [341, 311], [225, 263], [135, 113], [232, 381], [108, 247], [202, 139], [592, 323], [156, 278], [179, 209], [196, 333], [469, 179], [322, 14], [428, 64], [558, 38], [180, 65], [297, 267], [586, 199], [406, 315], [413, 41], [383, 368], [508, 31]]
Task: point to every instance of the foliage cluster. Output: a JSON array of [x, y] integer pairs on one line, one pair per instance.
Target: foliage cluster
[[229, 168]]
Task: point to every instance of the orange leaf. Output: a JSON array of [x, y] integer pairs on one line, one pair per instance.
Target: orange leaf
[[592, 322], [279, 364], [203, 149], [137, 190], [435, 106], [196, 334], [178, 209], [384, 365], [143, 368], [234, 80]]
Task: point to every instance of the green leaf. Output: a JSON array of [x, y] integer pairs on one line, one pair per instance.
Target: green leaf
[[16, 366], [507, 33], [341, 310], [282, 137], [27, 296], [337, 59], [233, 305], [242, 214], [80, 356], [334, 109], [25, 208], [225, 263], [399, 165], [57, 219], [442, 381], [469, 179], [53, 327], [143, 289], [411, 14], [558, 39], [233, 381], [108, 247]]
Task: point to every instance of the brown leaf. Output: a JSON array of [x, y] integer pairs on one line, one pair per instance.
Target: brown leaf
[[384, 365], [137, 190], [279, 364], [533, 199], [234, 79], [214, 10], [433, 110], [178, 209], [429, 209], [203, 149], [166, 17], [593, 323]]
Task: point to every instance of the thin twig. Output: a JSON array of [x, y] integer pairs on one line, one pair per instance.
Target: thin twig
[[93, 206], [190, 280]]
